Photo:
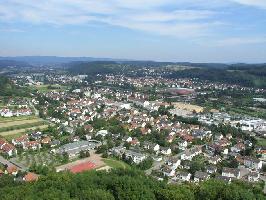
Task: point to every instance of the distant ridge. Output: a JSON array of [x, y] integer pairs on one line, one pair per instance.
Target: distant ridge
[[55, 59], [42, 60]]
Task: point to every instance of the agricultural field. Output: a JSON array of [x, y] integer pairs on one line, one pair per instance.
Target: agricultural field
[[18, 123], [11, 119], [23, 130], [11, 128]]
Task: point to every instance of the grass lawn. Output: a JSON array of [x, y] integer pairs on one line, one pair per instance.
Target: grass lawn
[[20, 122], [11, 137], [12, 119], [116, 164], [23, 130], [261, 142]]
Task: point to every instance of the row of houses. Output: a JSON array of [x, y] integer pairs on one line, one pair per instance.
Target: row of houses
[[12, 113]]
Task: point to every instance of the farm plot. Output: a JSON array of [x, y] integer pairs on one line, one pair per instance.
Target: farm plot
[[21, 125], [23, 130], [19, 122]]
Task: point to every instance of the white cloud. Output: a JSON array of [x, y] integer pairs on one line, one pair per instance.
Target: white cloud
[[254, 3], [144, 15], [179, 18]]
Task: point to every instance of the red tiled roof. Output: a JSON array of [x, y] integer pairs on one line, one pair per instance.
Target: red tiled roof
[[22, 138], [82, 167], [29, 177], [2, 141], [11, 169], [8, 147]]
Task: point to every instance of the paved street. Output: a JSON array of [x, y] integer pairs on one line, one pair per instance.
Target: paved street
[[10, 163]]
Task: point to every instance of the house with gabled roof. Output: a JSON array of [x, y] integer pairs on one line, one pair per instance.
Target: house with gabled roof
[[252, 163], [201, 176], [231, 172]]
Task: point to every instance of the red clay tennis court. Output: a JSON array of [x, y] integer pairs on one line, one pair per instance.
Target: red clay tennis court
[[82, 167]]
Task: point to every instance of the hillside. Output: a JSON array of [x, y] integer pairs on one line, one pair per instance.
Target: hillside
[[9, 89], [250, 76]]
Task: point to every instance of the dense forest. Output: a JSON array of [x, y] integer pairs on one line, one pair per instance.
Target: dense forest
[[10, 89], [251, 77], [93, 68], [122, 185]]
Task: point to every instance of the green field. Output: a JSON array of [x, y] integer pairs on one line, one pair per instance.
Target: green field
[[261, 142], [116, 164], [12, 119], [9, 138], [14, 127], [45, 88]]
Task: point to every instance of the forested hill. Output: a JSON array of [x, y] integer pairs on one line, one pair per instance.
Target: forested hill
[[12, 63], [122, 185], [7, 88], [248, 75], [93, 68]]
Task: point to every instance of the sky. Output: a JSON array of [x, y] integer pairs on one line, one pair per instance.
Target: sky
[[162, 30]]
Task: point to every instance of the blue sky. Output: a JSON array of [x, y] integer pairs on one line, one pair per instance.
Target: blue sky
[[163, 30]]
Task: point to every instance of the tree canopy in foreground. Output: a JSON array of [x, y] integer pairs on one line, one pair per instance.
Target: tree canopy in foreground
[[122, 184]]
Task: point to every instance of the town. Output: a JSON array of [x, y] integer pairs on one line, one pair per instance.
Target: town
[[157, 124]]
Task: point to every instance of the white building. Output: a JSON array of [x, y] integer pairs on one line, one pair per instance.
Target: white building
[[253, 163]]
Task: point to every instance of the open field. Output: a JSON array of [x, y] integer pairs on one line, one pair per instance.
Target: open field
[[11, 119], [17, 126], [115, 164], [22, 126], [261, 142], [19, 122], [24, 130], [48, 88]]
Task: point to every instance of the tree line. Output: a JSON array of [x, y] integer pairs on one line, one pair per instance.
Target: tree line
[[122, 185]]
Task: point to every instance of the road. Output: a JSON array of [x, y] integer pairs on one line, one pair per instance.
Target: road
[[10, 163], [35, 110]]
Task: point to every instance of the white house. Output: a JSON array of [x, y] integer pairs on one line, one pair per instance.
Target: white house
[[231, 172], [190, 153], [200, 176], [102, 133], [166, 150], [167, 171], [184, 176], [253, 163], [135, 156], [253, 177]]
